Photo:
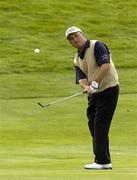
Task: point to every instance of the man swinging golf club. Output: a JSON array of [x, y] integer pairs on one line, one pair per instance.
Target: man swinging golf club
[[96, 74]]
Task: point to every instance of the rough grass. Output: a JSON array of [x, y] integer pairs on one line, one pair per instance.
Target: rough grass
[[25, 25]]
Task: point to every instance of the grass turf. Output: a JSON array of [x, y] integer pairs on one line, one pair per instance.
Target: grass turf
[[29, 24], [47, 144]]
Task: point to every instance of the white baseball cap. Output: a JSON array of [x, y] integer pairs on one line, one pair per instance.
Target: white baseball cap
[[71, 30]]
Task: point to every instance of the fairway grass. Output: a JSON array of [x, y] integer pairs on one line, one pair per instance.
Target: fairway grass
[[55, 84], [54, 143]]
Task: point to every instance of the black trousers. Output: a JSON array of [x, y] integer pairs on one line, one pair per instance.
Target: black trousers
[[101, 107]]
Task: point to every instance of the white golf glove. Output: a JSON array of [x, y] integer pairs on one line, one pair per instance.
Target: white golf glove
[[94, 87]]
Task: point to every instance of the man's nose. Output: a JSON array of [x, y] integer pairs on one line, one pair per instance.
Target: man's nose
[[75, 39]]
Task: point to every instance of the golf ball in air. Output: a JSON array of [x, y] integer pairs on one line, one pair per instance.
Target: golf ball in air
[[37, 50]]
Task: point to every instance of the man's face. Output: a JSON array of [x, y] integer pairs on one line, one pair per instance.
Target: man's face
[[77, 40]]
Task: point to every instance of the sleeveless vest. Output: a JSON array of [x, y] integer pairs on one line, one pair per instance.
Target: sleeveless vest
[[90, 68]]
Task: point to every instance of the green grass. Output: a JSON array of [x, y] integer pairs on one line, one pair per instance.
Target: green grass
[[55, 84], [54, 143], [25, 25], [47, 144]]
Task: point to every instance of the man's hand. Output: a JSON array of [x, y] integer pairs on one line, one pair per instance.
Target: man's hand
[[93, 88], [87, 90]]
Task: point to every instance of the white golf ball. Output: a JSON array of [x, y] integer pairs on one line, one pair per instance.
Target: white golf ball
[[37, 50]]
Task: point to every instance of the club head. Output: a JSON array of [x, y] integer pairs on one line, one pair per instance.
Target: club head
[[43, 105]]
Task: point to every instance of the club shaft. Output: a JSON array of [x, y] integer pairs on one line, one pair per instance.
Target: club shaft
[[64, 99]]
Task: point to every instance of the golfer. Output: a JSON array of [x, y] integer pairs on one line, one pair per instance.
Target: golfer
[[96, 74]]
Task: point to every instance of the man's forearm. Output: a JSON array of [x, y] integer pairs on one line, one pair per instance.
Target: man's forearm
[[83, 83], [102, 72]]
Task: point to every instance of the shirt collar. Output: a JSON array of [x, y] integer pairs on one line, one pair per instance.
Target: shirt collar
[[82, 52]]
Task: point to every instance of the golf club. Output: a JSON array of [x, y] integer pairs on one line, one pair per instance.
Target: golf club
[[64, 99]]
